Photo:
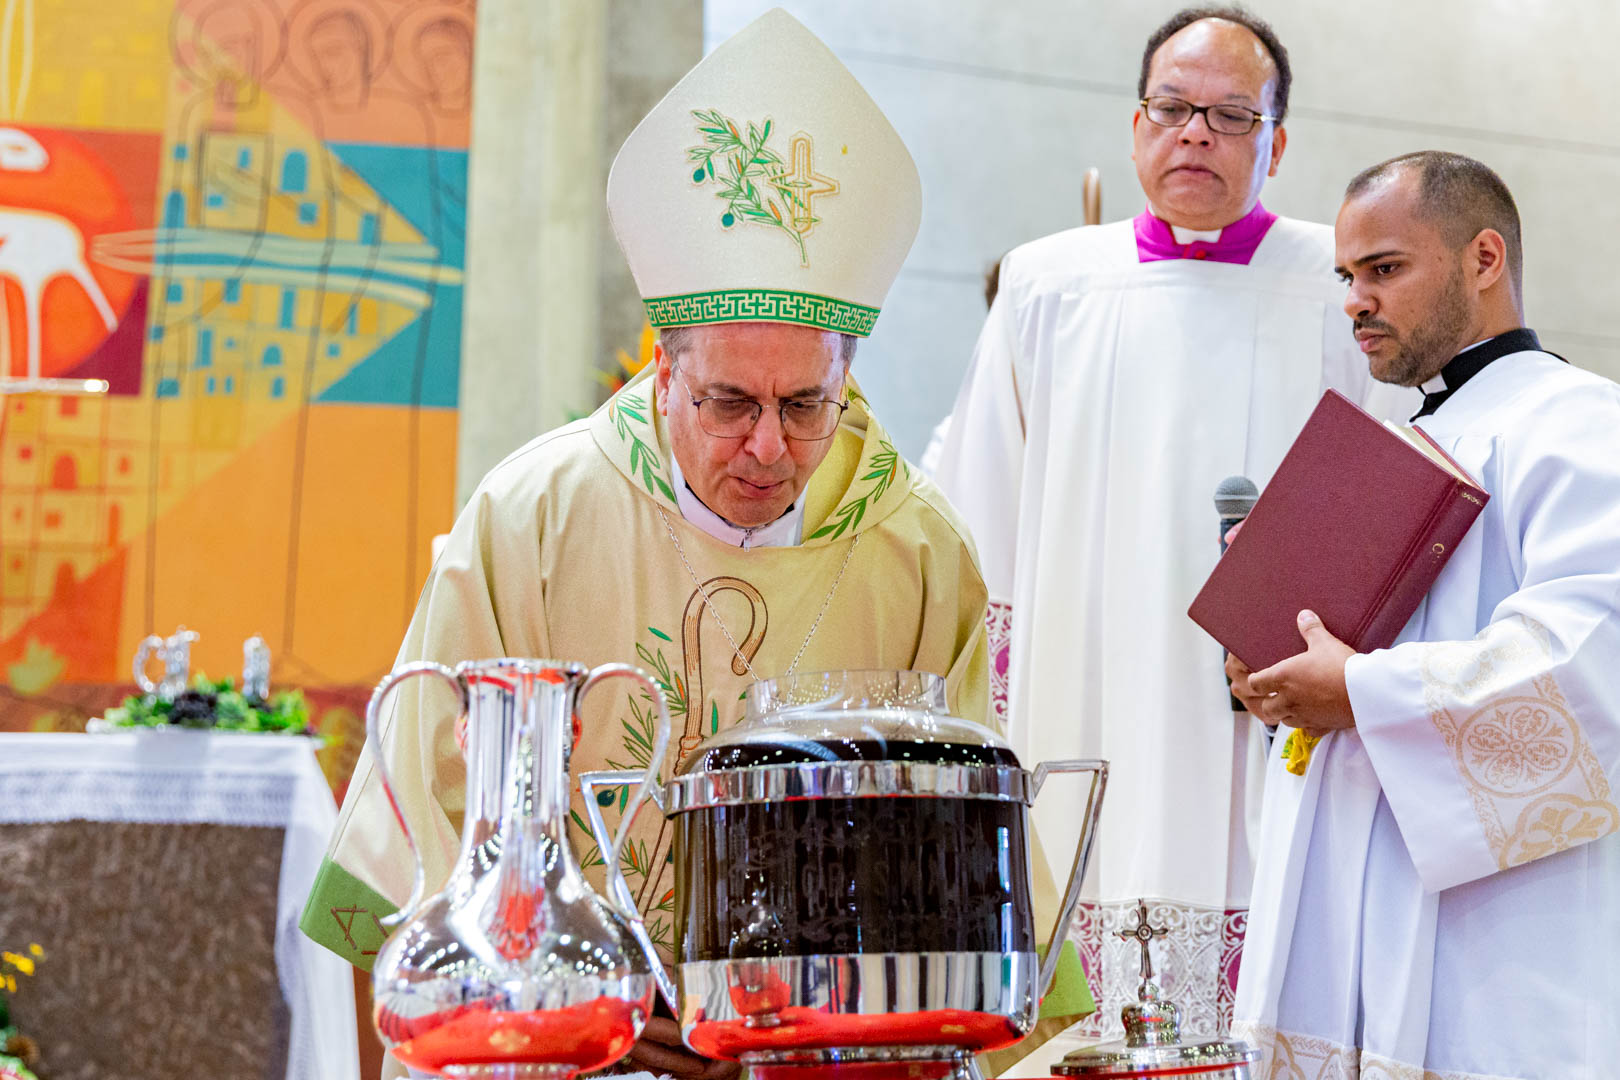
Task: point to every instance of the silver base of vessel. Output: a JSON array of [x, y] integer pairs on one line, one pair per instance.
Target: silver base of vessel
[[866, 984], [922, 1006], [510, 1071], [952, 1063]]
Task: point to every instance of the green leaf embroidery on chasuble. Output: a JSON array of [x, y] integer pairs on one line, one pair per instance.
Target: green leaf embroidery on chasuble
[[632, 421], [637, 734], [880, 466], [593, 855], [668, 681]]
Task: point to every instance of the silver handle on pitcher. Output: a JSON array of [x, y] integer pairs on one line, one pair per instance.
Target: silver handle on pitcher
[[374, 737], [646, 783], [1082, 856]]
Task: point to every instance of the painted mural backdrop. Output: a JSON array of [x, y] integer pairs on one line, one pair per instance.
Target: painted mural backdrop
[[248, 217]]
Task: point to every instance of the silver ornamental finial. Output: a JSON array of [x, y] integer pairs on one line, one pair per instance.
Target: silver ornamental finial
[[255, 669], [175, 654], [1143, 933], [1149, 1020]]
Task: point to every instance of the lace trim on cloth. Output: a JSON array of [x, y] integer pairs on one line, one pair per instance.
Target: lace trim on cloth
[[998, 625], [1289, 1056], [147, 796], [1195, 965]]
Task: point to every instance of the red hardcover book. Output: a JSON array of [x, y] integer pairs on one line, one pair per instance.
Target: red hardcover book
[[1355, 525]]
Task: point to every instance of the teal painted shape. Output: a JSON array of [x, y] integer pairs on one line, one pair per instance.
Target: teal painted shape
[[404, 178], [422, 363], [387, 376]]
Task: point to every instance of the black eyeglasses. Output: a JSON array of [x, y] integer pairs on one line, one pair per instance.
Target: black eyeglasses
[[1222, 119], [732, 417]]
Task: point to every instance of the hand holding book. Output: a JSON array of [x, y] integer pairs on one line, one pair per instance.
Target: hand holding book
[[1306, 691], [1355, 525]]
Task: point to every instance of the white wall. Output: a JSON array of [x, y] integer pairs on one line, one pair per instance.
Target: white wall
[[1005, 103]]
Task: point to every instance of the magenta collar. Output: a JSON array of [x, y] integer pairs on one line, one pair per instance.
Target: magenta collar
[[1237, 243]]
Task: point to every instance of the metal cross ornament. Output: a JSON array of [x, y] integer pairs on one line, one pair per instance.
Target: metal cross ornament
[[1143, 933]]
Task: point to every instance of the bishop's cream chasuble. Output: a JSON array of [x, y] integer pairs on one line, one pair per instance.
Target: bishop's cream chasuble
[[1107, 398], [767, 186], [1438, 897], [562, 553]]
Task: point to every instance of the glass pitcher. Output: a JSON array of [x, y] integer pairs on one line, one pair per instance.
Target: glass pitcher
[[516, 968]]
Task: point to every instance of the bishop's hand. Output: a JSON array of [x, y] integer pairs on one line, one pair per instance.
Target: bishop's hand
[[660, 1050], [1306, 691]]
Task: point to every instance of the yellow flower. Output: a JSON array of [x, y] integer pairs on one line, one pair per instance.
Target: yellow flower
[[23, 964], [631, 366], [1297, 751]]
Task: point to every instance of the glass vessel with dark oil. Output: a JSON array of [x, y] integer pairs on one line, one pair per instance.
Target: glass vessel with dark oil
[[852, 881]]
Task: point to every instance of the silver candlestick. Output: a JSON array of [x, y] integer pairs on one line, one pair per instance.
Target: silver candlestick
[[255, 669]]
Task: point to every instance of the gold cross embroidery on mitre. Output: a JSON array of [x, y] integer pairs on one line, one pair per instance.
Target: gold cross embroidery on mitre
[[815, 184]]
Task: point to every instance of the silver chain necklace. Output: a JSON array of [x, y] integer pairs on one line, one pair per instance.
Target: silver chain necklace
[[708, 603]]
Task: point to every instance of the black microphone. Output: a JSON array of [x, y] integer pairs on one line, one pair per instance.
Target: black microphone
[[1234, 498]]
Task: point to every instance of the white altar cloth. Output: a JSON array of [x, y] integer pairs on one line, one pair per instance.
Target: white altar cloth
[[170, 777]]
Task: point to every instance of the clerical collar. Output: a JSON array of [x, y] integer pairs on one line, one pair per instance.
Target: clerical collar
[[785, 531], [1157, 239], [1471, 361]]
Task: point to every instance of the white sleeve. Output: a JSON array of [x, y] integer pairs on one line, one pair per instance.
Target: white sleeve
[[929, 462], [1504, 749], [981, 457]]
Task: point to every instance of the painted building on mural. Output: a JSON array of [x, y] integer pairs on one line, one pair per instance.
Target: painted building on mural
[[253, 219]]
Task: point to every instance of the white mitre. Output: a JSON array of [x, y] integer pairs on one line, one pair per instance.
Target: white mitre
[[766, 187]]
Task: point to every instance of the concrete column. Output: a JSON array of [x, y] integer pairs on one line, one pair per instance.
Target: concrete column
[[558, 85]]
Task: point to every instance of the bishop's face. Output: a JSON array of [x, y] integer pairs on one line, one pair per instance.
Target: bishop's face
[[1195, 177], [752, 479], [1407, 291]]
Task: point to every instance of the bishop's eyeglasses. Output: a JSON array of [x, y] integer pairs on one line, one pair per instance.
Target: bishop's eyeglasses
[[734, 417], [1222, 119]]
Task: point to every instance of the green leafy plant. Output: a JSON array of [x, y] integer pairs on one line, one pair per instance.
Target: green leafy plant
[[215, 705]]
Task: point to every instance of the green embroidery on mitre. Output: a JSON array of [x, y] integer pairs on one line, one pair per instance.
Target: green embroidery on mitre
[[754, 182], [762, 305]]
